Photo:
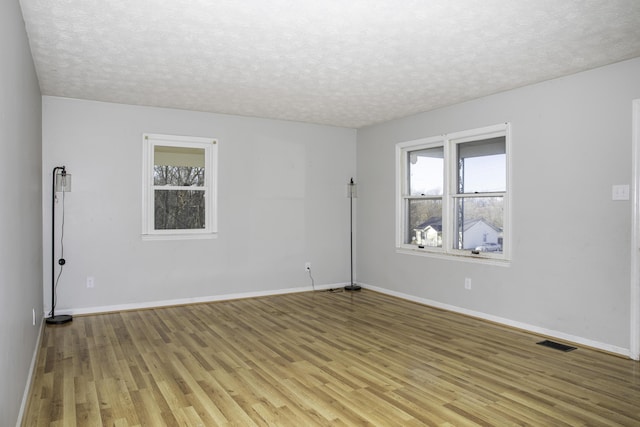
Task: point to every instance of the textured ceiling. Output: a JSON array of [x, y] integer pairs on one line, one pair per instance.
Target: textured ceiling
[[341, 62]]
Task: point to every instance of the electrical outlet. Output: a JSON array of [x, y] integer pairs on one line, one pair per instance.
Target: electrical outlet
[[467, 283], [91, 282], [307, 266]]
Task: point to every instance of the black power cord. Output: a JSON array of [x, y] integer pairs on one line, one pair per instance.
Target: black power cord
[[313, 286]]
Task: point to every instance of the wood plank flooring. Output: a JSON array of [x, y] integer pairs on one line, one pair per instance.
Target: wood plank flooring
[[316, 359]]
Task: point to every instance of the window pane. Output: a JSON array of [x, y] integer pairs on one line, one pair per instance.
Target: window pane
[[482, 166], [425, 223], [426, 172], [479, 223], [179, 210], [178, 166], [182, 176]]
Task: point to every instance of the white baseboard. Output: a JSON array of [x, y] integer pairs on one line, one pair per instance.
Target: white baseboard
[[32, 370], [225, 297], [508, 322], [194, 300]]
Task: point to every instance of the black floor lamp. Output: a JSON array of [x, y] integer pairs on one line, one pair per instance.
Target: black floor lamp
[[351, 194], [61, 182]]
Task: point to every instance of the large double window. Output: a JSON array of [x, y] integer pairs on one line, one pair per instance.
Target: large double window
[[453, 193], [179, 197]]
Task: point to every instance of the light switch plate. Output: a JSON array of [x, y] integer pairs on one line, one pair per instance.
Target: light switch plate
[[620, 192]]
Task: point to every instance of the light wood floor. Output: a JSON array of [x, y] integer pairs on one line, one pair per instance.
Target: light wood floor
[[319, 358]]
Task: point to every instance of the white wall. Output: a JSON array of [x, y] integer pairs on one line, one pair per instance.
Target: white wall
[[20, 210], [282, 201], [570, 274]]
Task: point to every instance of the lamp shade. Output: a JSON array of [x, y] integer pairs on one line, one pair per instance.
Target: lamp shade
[[63, 182], [352, 192]]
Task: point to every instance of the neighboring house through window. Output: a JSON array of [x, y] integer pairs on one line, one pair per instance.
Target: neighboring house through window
[[453, 194], [179, 186]]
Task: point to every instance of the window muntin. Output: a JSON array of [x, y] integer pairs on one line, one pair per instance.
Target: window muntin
[[453, 194], [179, 185]]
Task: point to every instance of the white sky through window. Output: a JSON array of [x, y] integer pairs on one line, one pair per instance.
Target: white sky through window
[[486, 173]]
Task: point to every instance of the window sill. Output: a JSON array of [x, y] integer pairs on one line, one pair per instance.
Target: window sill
[[185, 236], [477, 259]]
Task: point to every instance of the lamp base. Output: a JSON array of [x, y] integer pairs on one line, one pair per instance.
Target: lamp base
[[59, 319], [352, 287]]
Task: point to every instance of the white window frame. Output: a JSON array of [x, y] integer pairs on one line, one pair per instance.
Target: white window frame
[[210, 146], [450, 195]]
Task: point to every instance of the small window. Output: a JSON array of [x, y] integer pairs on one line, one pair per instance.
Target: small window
[[179, 197], [453, 194]]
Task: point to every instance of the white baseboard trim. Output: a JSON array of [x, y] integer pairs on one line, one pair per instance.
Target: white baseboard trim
[[194, 300], [32, 370], [507, 322], [225, 297]]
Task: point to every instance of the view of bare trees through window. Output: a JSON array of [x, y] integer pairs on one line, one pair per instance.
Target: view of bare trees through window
[[179, 208], [488, 208]]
